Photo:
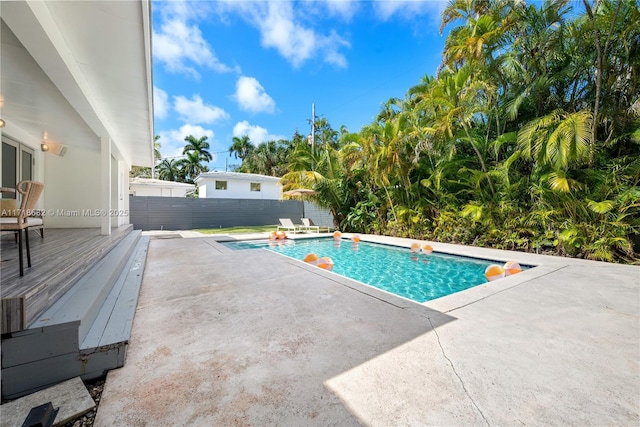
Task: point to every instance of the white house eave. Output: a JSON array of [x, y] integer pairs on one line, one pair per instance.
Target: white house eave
[[163, 184], [148, 49], [237, 176]]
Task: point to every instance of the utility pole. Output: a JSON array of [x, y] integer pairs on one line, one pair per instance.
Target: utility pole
[[313, 130], [313, 126]]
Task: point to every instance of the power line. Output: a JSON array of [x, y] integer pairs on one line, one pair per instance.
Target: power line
[[182, 156]]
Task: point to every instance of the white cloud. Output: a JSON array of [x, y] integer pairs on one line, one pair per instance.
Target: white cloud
[[160, 103], [252, 97], [195, 111], [345, 9], [183, 9], [172, 141], [331, 45], [180, 45], [280, 31], [409, 9], [290, 30], [256, 134]]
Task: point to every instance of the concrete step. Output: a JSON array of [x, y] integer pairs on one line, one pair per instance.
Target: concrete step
[[115, 319], [70, 397]]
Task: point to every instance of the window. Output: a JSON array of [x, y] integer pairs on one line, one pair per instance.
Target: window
[[221, 185], [255, 186]]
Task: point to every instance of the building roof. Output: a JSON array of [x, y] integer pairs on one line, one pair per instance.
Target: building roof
[[237, 176], [148, 182]]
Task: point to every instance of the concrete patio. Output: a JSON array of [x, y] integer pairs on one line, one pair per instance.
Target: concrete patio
[[254, 338]]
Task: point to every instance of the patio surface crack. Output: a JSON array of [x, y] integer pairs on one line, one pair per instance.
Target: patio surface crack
[[457, 375]]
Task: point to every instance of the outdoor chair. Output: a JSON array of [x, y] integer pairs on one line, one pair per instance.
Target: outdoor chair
[[9, 208], [288, 225], [308, 225], [35, 220], [30, 192]]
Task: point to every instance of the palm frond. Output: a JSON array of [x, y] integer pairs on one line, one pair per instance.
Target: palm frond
[[601, 207]]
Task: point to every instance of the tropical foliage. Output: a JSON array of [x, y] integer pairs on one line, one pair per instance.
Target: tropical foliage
[[268, 158], [527, 139], [184, 169]]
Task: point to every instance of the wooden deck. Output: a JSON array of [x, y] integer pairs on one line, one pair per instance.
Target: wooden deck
[[58, 261]]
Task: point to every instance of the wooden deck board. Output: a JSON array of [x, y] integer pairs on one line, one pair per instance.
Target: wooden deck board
[[58, 261]]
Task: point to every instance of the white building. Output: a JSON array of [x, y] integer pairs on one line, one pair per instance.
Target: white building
[[76, 96], [159, 188], [234, 185]]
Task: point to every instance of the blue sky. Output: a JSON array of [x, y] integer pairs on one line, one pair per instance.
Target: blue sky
[[230, 68]]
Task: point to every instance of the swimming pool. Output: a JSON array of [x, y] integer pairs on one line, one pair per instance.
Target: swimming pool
[[417, 276]]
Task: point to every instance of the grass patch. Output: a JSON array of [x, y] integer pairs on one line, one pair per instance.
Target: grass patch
[[236, 230]]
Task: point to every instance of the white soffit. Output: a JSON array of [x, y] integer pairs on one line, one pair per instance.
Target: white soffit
[[33, 103], [97, 54]]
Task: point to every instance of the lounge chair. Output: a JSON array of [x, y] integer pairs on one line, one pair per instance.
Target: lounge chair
[[318, 227], [308, 225], [288, 225]]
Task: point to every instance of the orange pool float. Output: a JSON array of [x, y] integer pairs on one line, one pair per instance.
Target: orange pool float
[[512, 267], [311, 258], [325, 263], [494, 272]]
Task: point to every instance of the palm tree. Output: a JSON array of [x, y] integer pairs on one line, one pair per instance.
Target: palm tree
[[241, 147], [469, 43], [169, 170], [464, 9], [268, 158], [157, 155], [325, 134], [199, 146], [457, 100], [614, 25], [388, 110], [320, 168], [192, 166]]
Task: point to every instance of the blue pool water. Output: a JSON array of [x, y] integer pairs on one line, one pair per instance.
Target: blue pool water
[[419, 277]]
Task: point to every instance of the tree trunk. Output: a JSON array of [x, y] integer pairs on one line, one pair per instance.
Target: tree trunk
[[393, 209], [601, 52], [482, 165]]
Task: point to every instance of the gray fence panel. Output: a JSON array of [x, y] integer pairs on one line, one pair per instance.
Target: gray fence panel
[[319, 216], [173, 213], [169, 213]]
